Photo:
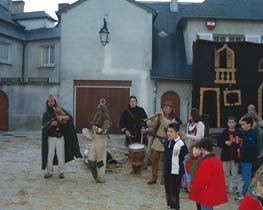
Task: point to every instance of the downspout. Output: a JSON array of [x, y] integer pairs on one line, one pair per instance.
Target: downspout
[[23, 63], [154, 95]]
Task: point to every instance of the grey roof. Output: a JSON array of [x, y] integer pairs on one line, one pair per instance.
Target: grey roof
[[11, 28], [5, 15], [169, 56], [141, 5], [43, 33], [224, 9], [32, 15]]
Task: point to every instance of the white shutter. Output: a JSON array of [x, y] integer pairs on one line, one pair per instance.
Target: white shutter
[[205, 36], [253, 38]]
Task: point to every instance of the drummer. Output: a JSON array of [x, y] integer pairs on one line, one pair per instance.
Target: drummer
[[131, 121], [160, 123]]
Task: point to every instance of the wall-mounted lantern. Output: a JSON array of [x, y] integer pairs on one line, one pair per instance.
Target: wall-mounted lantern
[[104, 34]]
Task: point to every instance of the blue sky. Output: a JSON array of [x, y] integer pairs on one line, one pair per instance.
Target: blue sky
[[51, 6]]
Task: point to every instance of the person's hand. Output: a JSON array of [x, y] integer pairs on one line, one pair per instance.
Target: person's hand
[[59, 118], [176, 152], [143, 130], [237, 140], [228, 143], [162, 113], [127, 133], [238, 153], [158, 114], [94, 128], [182, 134], [54, 123]]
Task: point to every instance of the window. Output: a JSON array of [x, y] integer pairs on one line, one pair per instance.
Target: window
[[4, 51], [48, 55], [253, 38], [204, 36], [228, 38]]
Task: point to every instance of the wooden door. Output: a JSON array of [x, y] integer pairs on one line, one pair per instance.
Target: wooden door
[[3, 111], [87, 99], [174, 97]]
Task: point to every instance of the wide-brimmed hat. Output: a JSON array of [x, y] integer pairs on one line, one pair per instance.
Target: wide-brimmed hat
[[168, 103]]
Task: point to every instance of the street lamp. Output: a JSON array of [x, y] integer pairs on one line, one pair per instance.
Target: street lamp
[[104, 34]]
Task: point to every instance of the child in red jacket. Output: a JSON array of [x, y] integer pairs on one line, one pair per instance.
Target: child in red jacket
[[208, 187], [192, 163], [253, 199]]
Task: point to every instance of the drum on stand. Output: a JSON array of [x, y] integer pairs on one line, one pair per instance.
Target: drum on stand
[[136, 156]]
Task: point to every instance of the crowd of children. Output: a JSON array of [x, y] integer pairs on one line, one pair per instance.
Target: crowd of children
[[211, 178]]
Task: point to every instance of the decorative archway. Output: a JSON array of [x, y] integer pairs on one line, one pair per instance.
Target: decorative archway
[[204, 90], [260, 100], [3, 111], [225, 74], [174, 97]]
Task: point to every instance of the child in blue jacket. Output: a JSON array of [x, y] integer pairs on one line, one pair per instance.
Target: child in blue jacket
[[248, 151]]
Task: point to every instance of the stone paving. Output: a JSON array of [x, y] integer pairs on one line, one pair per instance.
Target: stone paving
[[22, 185]]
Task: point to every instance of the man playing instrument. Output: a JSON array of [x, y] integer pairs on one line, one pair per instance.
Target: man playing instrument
[[160, 123], [131, 121], [98, 148], [59, 139]]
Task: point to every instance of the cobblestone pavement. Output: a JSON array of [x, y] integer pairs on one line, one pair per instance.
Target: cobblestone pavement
[[22, 185]]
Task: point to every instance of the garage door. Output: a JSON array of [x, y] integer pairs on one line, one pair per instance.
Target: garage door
[[87, 99], [3, 111]]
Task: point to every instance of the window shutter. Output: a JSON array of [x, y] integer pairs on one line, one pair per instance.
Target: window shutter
[[205, 36], [253, 38]]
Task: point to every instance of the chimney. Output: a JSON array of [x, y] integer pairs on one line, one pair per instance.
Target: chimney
[[7, 4], [174, 6], [62, 5], [17, 7]]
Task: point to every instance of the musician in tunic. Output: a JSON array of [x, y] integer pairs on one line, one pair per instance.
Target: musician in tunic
[[160, 123], [97, 154]]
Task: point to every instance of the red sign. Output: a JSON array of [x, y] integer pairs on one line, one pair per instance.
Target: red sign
[[211, 24]]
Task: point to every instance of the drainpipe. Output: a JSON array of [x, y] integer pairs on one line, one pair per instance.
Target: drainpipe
[[23, 63], [154, 95]]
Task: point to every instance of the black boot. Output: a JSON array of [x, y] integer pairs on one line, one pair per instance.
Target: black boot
[[93, 168]]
